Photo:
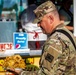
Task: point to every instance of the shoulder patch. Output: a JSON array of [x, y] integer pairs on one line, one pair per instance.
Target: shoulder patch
[[49, 57]]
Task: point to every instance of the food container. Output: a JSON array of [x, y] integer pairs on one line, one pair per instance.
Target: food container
[[18, 70]]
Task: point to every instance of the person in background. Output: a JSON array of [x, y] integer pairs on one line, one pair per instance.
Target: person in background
[[66, 14]]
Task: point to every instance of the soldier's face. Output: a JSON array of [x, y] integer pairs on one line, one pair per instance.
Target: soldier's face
[[45, 24]]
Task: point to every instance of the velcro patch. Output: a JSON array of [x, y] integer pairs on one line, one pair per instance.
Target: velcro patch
[[49, 57]]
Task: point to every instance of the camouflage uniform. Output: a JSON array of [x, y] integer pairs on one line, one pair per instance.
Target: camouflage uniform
[[58, 53], [58, 57]]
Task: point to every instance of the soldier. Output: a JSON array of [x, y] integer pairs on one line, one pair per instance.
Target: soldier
[[58, 53]]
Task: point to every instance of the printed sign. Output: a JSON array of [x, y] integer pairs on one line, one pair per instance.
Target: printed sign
[[20, 40], [6, 46]]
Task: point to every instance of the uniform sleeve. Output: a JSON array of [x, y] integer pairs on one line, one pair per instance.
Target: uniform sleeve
[[49, 62]]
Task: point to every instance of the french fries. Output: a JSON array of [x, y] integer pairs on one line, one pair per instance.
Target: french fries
[[14, 61]]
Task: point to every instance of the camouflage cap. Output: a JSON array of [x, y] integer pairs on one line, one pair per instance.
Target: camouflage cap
[[43, 9]]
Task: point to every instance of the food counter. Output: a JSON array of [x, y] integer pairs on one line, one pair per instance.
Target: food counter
[[15, 63]]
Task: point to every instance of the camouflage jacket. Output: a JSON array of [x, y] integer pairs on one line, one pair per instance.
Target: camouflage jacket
[[58, 55]]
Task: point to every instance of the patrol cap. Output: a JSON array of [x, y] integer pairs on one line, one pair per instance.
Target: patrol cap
[[43, 9]]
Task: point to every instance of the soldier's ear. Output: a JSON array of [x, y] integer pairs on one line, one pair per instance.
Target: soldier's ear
[[51, 18]]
